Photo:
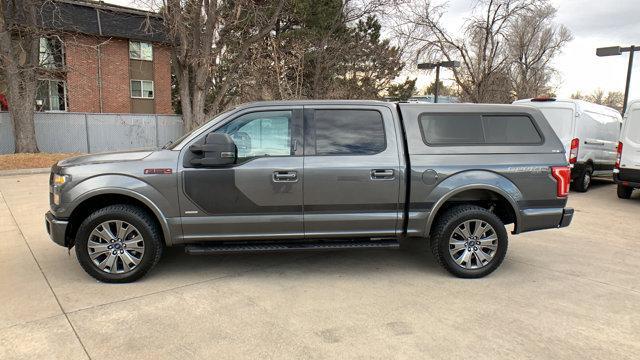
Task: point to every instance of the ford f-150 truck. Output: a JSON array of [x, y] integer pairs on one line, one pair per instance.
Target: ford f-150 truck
[[318, 175]]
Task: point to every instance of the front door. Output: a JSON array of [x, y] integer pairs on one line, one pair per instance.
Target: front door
[[260, 197], [352, 172]]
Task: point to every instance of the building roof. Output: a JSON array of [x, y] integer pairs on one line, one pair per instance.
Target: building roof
[[100, 19]]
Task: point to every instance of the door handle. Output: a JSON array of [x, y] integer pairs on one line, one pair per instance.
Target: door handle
[[382, 174], [285, 176]]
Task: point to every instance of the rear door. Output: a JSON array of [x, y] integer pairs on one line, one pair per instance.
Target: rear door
[[631, 138], [610, 135], [561, 117], [351, 171]]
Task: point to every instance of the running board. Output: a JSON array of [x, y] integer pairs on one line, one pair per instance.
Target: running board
[[293, 246]]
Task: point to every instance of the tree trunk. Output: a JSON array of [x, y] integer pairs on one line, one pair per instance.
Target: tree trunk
[[185, 99], [19, 64], [22, 115]]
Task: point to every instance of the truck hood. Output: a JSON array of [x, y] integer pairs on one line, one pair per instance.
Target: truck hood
[[105, 158]]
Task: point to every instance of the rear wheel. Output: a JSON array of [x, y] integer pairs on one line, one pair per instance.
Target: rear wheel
[[583, 181], [624, 192], [469, 241], [118, 244]]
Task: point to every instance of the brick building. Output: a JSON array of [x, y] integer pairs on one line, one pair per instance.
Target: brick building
[[103, 58]]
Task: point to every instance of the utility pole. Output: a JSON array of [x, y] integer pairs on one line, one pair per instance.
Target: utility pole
[[437, 66]]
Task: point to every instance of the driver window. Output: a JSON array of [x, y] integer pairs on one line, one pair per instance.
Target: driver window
[[265, 133]]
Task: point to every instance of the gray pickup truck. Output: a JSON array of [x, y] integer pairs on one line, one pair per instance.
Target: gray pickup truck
[[318, 175]]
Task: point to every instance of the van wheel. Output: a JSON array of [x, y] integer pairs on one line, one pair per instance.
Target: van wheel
[[118, 244], [624, 192], [469, 241], [583, 181]]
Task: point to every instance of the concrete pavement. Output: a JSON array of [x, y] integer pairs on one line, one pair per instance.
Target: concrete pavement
[[568, 293]]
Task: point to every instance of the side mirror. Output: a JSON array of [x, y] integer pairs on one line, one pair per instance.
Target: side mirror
[[218, 150]]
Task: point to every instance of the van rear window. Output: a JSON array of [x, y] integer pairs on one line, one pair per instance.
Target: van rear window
[[478, 129]]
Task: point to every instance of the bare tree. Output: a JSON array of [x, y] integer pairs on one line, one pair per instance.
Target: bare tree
[[612, 99], [485, 74], [213, 38], [534, 40], [19, 56]]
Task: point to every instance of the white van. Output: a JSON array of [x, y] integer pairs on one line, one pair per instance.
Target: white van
[[589, 133], [627, 168]]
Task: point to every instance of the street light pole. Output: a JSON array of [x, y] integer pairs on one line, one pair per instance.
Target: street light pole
[[429, 66], [614, 51], [435, 96], [632, 49]]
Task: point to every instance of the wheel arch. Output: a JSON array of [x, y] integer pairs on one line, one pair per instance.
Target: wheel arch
[[490, 186], [97, 199]]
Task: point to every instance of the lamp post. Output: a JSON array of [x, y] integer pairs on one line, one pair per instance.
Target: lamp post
[[614, 51], [429, 66]]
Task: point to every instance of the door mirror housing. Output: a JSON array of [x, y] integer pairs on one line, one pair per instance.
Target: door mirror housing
[[218, 150]]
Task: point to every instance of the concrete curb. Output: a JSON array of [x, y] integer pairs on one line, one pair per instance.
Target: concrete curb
[[25, 171]]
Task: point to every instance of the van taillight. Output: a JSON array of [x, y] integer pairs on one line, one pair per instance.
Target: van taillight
[[619, 156], [573, 153], [562, 174]]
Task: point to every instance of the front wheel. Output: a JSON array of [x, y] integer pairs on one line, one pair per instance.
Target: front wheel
[[118, 243], [469, 241], [624, 192]]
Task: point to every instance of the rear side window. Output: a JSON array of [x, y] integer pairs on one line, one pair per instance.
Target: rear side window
[[511, 129], [349, 132], [452, 129], [471, 129]]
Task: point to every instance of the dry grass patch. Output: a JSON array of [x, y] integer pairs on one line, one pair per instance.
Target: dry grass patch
[[31, 161]]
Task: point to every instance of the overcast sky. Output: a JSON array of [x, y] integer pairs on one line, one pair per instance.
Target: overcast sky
[[594, 23]]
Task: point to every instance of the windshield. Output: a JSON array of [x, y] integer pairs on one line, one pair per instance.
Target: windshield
[[175, 143]]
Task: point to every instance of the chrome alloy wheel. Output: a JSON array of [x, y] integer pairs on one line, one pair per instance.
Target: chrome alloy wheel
[[115, 247], [473, 244]]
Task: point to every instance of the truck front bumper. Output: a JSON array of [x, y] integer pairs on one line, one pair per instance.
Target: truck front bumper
[[56, 228]]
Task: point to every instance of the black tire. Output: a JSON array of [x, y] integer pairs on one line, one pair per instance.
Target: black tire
[[447, 223], [583, 181], [142, 221], [624, 192]]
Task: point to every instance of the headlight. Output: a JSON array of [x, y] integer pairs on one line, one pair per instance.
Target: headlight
[[59, 180]]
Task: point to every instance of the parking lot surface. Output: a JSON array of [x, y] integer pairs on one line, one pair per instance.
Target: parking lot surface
[[567, 293]]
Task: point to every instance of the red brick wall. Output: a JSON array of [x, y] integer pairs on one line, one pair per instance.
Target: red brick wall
[[82, 76], [162, 78], [116, 95], [83, 93]]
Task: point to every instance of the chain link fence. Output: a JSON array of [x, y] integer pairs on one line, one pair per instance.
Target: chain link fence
[[92, 133]]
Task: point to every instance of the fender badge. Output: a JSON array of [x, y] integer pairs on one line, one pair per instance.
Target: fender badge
[[159, 171]]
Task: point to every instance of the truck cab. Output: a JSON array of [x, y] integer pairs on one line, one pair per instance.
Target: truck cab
[[319, 175]]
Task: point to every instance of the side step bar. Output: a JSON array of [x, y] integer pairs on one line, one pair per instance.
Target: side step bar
[[290, 246]]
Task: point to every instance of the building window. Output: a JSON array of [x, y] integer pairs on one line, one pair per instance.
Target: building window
[[51, 52], [51, 95], [140, 51], [142, 89]]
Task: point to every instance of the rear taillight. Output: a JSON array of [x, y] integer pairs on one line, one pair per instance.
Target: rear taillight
[[573, 152], [619, 156], [562, 174]]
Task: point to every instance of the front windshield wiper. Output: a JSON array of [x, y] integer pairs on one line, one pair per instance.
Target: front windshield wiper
[[167, 144]]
